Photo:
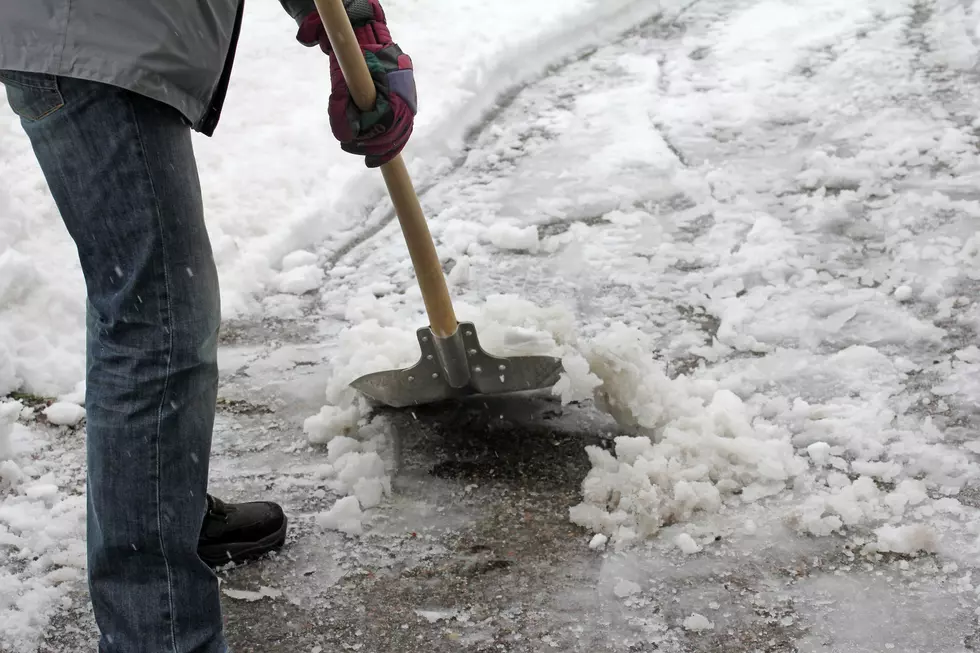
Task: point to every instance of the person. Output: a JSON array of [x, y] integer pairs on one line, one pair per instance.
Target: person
[[109, 92]]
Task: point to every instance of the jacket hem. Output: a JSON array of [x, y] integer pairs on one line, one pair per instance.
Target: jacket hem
[[139, 81]]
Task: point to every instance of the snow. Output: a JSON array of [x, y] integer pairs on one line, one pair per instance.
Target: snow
[[63, 413], [687, 544], [908, 539], [625, 588], [300, 280], [509, 237], [763, 268], [275, 183], [298, 259], [246, 595], [708, 447], [344, 516], [697, 623], [42, 554]]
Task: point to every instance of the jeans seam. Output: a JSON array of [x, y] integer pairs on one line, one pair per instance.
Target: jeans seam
[[166, 383]]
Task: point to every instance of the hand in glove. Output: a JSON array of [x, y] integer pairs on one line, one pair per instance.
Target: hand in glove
[[380, 133]]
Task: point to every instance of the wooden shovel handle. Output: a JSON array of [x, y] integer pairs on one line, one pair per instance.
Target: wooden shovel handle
[[428, 270]]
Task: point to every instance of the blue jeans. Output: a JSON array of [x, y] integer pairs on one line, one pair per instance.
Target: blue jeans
[[121, 169]]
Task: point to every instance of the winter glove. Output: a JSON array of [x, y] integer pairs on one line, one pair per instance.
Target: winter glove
[[380, 133]]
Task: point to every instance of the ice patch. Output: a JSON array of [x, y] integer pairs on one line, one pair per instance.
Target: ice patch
[[625, 588]]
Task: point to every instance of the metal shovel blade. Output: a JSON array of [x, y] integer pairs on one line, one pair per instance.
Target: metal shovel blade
[[457, 367]]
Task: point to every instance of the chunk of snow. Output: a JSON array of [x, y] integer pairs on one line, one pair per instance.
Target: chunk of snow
[[9, 410], [301, 280], [510, 237], [903, 293], [969, 354], [598, 542], [245, 595], [76, 396], [331, 422], [577, 382], [370, 491], [819, 453], [697, 623], [435, 616], [344, 516], [625, 588], [687, 544], [63, 413], [298, 259], [460, 274], [907, 539]]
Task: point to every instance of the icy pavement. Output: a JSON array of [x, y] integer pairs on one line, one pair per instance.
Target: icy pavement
[[753, 228]]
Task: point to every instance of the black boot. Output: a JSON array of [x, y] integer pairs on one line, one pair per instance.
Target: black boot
[[235, 532]]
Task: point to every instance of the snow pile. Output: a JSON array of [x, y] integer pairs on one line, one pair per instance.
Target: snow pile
[[384, 339], [698, 445], [357, 471], [851, 503], [41, 533], [381, 339], [41, 315]]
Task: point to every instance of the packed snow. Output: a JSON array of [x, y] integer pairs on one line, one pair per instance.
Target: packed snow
[[42, 552]]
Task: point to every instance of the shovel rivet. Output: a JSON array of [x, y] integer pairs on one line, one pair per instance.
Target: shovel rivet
[[473, 352], [469, 333], [429, 357], [425, 338], [502, 368], [477, 369], [411, 378], [435, 375]]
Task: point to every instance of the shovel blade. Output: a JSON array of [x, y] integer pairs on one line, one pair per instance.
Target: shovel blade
[[426, 381]]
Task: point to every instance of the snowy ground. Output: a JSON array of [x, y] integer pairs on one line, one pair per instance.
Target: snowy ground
[[752, 230]]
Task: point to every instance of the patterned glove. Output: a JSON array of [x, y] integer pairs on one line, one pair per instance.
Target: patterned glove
[[380, 133]]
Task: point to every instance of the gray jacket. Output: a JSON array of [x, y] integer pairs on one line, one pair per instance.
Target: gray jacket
[[179, 52]]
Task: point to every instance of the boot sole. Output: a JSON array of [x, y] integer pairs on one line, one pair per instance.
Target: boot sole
[[237, 552]]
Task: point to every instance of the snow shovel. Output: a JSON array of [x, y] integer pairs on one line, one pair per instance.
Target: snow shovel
[[453, 364]]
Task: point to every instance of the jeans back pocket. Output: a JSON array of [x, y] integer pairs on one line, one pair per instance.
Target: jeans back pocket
[[32, 96]]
